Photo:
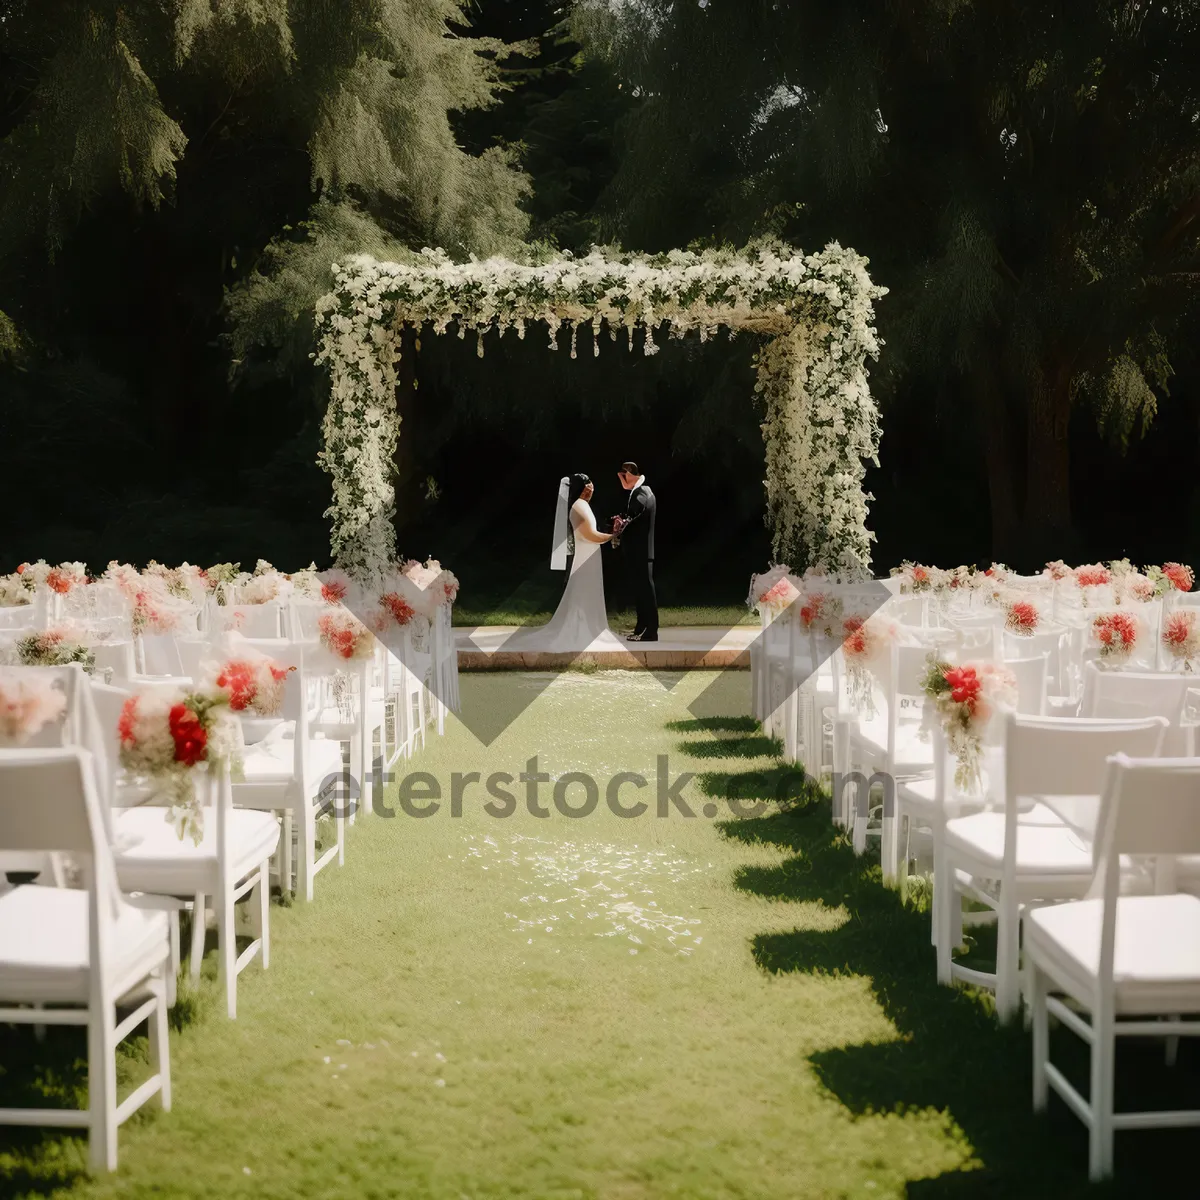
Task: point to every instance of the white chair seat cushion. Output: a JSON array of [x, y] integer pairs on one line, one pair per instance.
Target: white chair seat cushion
[[44, 945], [912, 749], [1044, 846], [918, 797], [150, 857], [272, 761], [1156, 953]]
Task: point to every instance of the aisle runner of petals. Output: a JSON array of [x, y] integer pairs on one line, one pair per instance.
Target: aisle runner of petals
[[593, 888]]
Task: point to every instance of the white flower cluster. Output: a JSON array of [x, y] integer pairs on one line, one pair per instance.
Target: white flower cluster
[[817, 309]]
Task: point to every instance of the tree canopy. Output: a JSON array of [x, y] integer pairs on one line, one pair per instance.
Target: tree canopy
[[1025, 178]]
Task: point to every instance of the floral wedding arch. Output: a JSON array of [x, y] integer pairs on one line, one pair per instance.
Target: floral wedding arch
[[815, 312]]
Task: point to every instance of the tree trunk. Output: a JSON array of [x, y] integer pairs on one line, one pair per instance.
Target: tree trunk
[[1000, 462], [1049, 531], [408, 496]]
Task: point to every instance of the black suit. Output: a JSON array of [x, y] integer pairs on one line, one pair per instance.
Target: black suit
[[637, 547]]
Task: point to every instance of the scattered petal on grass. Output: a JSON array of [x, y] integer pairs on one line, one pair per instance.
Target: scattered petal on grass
[[326, 1059], [439, 1082]]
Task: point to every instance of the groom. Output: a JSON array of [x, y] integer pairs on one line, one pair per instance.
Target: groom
[[636, 533]]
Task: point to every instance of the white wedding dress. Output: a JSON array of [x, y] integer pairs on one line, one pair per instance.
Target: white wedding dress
[[581, 620]]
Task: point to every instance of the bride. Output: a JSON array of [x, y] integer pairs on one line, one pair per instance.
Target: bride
[[581, 619]]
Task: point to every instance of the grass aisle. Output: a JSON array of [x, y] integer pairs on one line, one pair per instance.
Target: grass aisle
[[592, 1007]]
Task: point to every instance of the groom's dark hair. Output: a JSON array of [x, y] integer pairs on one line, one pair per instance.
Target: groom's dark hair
[[630, 468]]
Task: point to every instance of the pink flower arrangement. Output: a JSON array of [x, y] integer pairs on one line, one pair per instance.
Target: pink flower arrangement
[[1181, 637], [1116, 633], [1022, 617], [345, 636], [164, 734], [779, 596], [864, 642], [28, 702]]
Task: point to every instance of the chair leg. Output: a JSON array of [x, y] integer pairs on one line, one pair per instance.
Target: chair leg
[[285, 852], [308, 854], [227, 951], [1100, 1143], [102, 1090], [196, 954], [1008, 957], [946, 898], [264, 912], [160, 1048], [1040, 1018], [172, 967]]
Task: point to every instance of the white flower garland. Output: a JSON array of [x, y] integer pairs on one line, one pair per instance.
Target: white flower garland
[[817, 309]]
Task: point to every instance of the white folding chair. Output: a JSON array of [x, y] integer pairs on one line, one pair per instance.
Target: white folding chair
[[294, 773], [1131, 963], [84, 951], [232, 860], [1024, 852], [1139, 694]]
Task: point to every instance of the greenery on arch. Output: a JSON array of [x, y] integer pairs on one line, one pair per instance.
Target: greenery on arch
[[815, 311]]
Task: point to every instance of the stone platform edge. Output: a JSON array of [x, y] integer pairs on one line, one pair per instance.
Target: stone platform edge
[[720, 658]]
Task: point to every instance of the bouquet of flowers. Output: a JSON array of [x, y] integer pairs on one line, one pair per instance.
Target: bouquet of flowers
[[966, 698], [822, 610], [773, 590], [262, 587], [446, 580], [1116, 633], [864, 642], [343, 635], [1091, 575], [65, 576], [53, 648], [220, 577], [165, 734], [27, 703], [1171, 577], [1181, 637], [394, 608], [13, 591], [1132, 584], [253, 684], [1021, 617], [914, 577]]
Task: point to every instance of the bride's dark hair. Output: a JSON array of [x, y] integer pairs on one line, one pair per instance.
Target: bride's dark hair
[[576, 486]]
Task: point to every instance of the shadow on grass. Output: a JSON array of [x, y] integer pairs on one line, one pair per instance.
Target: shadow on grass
[[52, 1073], [952, 1056]]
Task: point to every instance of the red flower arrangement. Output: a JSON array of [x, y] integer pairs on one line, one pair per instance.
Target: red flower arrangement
[[254, 686], [1093, 575], [1022, 618], [345, 636], [395, 606], [1116, 633], [1181, 576], [163, 735]]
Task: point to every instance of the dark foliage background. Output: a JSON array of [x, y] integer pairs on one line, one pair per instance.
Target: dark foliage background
[[142, 417]]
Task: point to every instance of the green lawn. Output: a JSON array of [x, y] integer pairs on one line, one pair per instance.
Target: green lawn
[[667, 617], [618, 1009]]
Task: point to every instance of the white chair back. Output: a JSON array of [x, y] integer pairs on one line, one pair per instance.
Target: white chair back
[[68, 818], [1031, 675], [1131, 694]]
